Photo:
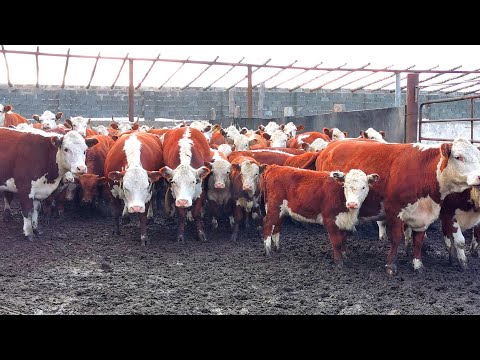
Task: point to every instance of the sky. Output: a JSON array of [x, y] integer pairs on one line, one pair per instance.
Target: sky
[[23, 67]]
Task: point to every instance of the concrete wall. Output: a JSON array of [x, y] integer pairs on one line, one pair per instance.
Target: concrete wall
[[196, 103]]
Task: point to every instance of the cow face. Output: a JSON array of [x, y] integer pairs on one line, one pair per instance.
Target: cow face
[[230, 133], [225, 149], [250, 173], [337, 134], [185, 183], [271, 127], [291, 129], [71, 153], [220, 173], [90, 184], [3, 110], [48, 120], [101, 130], [78, 124], [356, 185], [278, 139], [463, 165], [136, 184], [317, 145], [243, 142], [203, 126]]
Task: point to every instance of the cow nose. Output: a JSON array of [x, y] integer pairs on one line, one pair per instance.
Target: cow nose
[[87, 201], [247, 187], [82, 169], [181, 203], [135, 209], [220, 185], [352, 205]]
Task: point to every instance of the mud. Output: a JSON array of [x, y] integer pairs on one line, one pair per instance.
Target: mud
[[77, 267]]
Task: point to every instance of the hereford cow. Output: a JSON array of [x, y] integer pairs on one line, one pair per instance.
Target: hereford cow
[[373, 134], [78, 124], [415, 180], [289, 192], [32, 165], [302, 161], [308, 138], [9, 118], [335, 134], [291, 129], [264, 156], [47, 120], [185, 151], [245, 191], [132, 168], [315, 146]]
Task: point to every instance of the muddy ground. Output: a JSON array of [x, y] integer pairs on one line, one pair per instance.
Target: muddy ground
[[77, 267]]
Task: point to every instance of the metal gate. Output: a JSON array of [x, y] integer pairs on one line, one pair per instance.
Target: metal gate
[[471, 119]]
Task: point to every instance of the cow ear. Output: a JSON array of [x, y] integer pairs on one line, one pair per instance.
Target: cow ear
[[373, 178], [166, 172], [135, 126], [207, 128], [59, 115], [154, 176], [243, 131], [229, 141], [236, 167], [345, 133], [88, 121], [361, 133], [115, 175], [203, 172], [102, 180], [7, 108], [114, 126], [114, 137], [262, 168], [208, 165], [306, 146], [217, 127], [223, 132], [252, 142], [382, 133], [300, 128], [56, 141], [91, 142], [68, 124], [266, 136], [36, 118], [446, 149], [261, 127], [339, 176], [282, 127], [326, 131]]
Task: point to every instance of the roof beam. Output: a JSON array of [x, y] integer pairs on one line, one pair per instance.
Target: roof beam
[[439, 73], [315, 78], [148, 72], [36, 61], [379, 80], [393, 82], [295, 76], [464, 87], [119, 71], [6, 64], [337, 78], [246, 76], [185, 61], [232, 67], [93, 71], [445, 81], [66, 68], [208, 67], [278, 72], [360, 78]]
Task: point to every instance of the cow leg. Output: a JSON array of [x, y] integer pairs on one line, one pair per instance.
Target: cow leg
[[26, 205], [407, 233], [238, 217], [197, 214], [382, 230], [475, 236], [394, 231], [418, 237], [448, 229], [142, 217], [7, 212], [338, 239], [182, 214], [459, 245], [116, 205], [150, 213], [36, 210], [215, 212], [272, 224], [169, 203], [257, 218]]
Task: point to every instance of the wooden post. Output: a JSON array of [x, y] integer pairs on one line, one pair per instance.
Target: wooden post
[[250, 94], [131, 103], [411, 123], [261, 99]]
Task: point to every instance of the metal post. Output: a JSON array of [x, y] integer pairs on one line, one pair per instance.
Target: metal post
[[261, 99], [471, 122], [411, 123], [130, 92], [250, 94], [398, 92]]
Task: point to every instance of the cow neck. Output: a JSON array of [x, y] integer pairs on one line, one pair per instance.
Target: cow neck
[[185, 148]]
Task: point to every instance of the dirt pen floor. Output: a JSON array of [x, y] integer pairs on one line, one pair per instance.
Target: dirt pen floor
[[77, 267]]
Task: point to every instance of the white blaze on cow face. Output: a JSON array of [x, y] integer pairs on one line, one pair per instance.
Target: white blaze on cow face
[[249, 173], [48, 120], [337, 134], [185, 182], [463, 167], [356, 186], [203, 126], [101, 130], [124, 127], [278, 139], [243, 143], [317, 145], [225, 149], [374, 135], [271, 127], [221, 169], [231, 132], [71, 154], [185, 144], [290, 129], [79, 124]]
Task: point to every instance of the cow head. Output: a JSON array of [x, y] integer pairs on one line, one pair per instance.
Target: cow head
[[230, 133], [243, 143], [203, 126], [278, 139], [185, 183], [136, 184], [101, 130], [48, 120], [356, 185], [271, 127], [220, 173], [226, 149], [336, 134], [3, 110], [78, 123], [249, 175], [291, 129], [373, 134], [317, 145], [71, 152], [90, 185]]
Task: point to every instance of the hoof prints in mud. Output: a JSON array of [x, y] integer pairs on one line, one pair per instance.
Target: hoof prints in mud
[[77, 267]]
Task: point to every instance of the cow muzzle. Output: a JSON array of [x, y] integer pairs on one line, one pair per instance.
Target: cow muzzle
[[181, 203], [219, 186], [136, 209], [81, 169], [352, 205]]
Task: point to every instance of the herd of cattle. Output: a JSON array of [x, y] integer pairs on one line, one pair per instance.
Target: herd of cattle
[[247, 176]]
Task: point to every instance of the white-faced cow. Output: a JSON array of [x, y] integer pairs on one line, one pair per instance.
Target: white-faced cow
[[47, 121]]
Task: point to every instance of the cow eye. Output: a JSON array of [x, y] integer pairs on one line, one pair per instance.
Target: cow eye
[[459, 157], [172, 182], [363, 188], [66, 149]]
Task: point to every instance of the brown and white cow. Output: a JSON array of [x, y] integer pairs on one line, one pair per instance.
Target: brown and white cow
[[373, 134], [302, 161], [91, 182], [263, 156], [79, 124], [316, 146], [335, 134], [218, 187], [291, 129], [245, 191], [32, 166], [203, 126], [314, 197], [9, 118], [308, 138], [47, 121], [185, 151], [415, 179], [132, 168]]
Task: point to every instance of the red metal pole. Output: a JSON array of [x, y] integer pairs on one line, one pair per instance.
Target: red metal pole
[[411, 123], [130, 92], [250, 94]]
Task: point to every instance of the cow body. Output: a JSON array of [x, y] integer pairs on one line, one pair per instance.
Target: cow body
[[263, 156], [415, 178], [313, 197], [9, 118], [308, 138]]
